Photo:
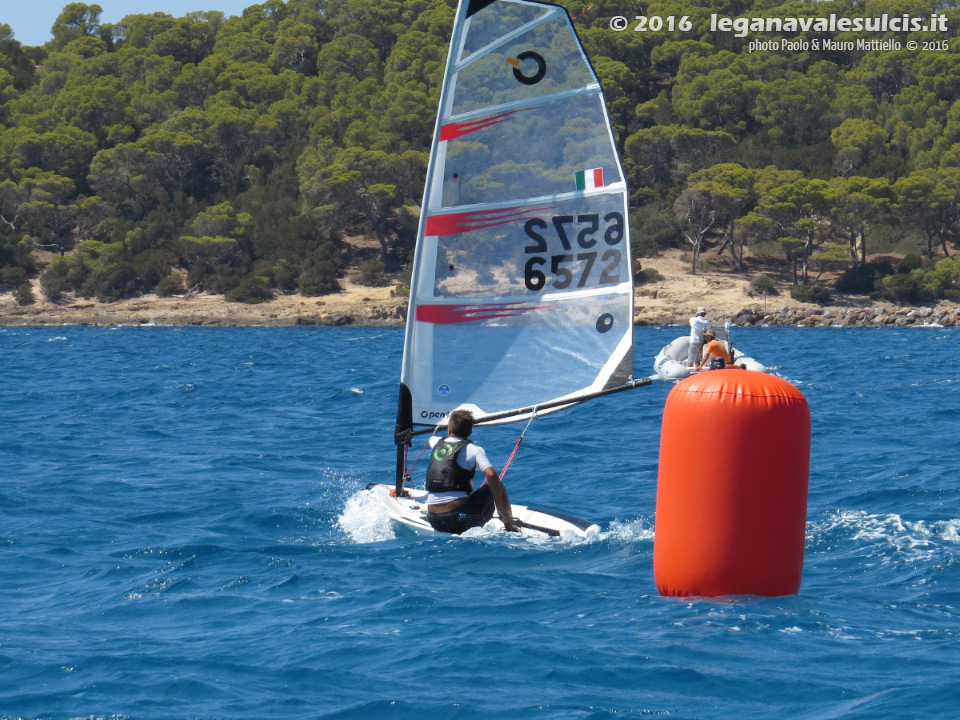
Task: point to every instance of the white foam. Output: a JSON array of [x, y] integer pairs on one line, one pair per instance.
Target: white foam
[[639, 530], [365, 519], [910, 539], [631, 531], [493, 530]]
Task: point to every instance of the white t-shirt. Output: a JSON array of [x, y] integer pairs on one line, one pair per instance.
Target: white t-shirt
[[698, 323], [472, 456]]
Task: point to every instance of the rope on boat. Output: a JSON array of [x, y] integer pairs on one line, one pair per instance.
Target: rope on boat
[[517, 445], [426, 445]]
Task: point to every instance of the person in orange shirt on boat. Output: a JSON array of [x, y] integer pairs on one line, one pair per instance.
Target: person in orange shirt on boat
[[715, 355], [452, 504]]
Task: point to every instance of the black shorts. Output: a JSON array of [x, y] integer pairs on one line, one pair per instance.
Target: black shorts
[[475, 512]]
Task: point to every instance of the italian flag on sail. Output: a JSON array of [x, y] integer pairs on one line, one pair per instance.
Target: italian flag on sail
[[589, 179]]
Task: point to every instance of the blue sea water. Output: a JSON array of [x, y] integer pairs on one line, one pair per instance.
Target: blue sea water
[[184, 534]]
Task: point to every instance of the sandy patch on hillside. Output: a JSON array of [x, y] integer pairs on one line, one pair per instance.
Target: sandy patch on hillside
[[722, 292]]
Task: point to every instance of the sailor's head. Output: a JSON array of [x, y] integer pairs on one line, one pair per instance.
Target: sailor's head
[[460, 423], [709, 335], [701, 310]]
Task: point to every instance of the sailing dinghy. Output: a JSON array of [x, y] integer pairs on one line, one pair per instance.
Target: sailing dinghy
[[521, 297]]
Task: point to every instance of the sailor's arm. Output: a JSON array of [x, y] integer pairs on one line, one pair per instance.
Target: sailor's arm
[[500, 498]]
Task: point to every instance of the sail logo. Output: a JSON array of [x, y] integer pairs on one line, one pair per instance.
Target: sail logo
[[537, 76], [432, 414]]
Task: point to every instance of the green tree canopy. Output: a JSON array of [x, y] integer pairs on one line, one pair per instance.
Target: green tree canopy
[[312, 120]]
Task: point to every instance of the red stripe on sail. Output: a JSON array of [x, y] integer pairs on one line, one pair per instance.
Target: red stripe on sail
[[598, 177], [451, 131], [455, 223], [453, 314]]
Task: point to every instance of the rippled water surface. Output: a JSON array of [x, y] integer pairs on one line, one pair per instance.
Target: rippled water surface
[[184, 534]]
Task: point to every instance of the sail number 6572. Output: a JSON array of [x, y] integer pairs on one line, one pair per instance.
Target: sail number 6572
[[584, 230]]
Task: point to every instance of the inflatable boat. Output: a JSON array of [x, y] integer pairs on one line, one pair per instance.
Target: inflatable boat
[[671, 361]]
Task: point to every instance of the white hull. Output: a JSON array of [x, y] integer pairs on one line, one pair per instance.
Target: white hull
[[411, 511], [671, 361]]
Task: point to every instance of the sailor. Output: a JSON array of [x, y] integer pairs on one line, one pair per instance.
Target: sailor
[[452, 504], [715, 356], [698, 323]]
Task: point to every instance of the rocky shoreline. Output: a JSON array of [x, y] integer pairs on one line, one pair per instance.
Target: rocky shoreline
[[943, 314]]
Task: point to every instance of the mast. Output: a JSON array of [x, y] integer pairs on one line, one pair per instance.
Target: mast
[[404, 425]]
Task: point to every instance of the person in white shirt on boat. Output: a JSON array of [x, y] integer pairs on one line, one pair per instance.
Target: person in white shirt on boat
[[698, 324], [452, 503]]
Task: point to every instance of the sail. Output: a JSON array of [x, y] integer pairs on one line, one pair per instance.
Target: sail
[[522, 290]]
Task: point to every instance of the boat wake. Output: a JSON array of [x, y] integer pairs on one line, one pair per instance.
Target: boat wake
[[365, 520], [639, 530]]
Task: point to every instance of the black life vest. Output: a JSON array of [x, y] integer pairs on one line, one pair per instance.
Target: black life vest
[[444, 474]]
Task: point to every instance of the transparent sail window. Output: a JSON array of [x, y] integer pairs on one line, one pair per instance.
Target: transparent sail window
[[528, 153], [497, 20], [547, 59]]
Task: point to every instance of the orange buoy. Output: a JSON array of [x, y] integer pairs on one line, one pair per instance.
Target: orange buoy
[[732, 486]]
